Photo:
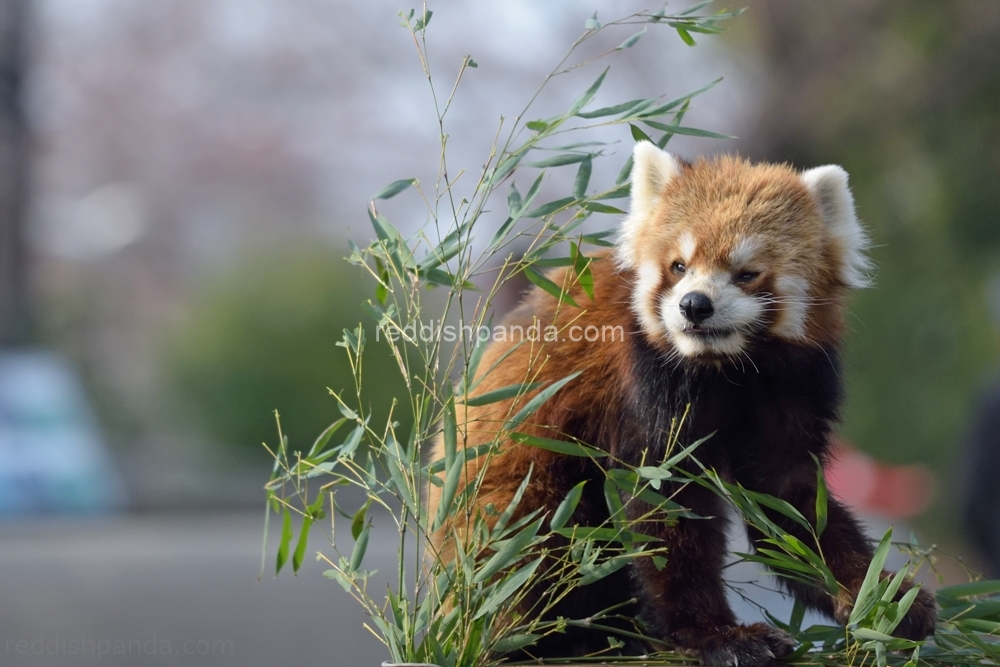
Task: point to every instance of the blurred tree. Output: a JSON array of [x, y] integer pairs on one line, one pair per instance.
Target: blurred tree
[[263, 336], [907, 97], [13, 174]]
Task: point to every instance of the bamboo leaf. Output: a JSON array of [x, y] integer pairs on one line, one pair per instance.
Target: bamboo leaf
[[868, 596], [685, 35], [972, 589], [558, 446], [360, 546], [324, 438], [286, 539], [394, 188], [510, 551], [821, 498], [551, 207], [584, 99], [537, 401], [515, 642], [300, 547], [561, 160], [510, 585], [633, 107], [688, 131], [631, 41], [549, 286], [567, 507], [583, 178], [638, 134], [502, 394], [594, 207]]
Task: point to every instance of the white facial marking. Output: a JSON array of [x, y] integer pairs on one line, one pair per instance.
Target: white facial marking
[[793, 307], [647, 281], [736, 314], [743, 252], [687, 246]]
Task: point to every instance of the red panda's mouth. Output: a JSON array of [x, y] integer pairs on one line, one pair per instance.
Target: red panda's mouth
[[701, 331]]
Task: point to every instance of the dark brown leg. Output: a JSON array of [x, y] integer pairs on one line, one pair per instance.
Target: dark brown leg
[[685, 602], [848, 554]]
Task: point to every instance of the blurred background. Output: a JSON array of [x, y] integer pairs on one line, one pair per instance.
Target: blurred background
[[178, 181]]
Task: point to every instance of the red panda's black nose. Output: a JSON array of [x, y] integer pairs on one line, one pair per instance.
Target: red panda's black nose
[[696, 307]]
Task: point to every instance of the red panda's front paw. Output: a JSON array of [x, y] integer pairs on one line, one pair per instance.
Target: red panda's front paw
[[738, 645], [920, 619]]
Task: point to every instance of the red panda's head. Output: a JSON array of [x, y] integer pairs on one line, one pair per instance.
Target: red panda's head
[[725, 252]]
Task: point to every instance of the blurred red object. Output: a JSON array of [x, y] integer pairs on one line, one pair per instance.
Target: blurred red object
[[876, 488]]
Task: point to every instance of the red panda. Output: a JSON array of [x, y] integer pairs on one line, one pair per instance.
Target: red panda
[[727, 281]]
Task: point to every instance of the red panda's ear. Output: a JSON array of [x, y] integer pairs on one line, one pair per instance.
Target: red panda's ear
[[652, 169], [828, 185]]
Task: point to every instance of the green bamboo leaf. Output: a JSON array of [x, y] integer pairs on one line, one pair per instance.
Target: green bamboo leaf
[[515, 642], [674, 103], [422, 22], [584, 99], [624, 174], [567, 507], [513, 200], [685, 35], [300, 547], [987, 587], [868, 596], [394, 188], [631, 41], [595, 573], [510, 585], [502, 394], [558, 446], [537, 125], [601, 208], [632, 107], [509, 552], [324, 438], [286, 539], [551, 207], [351, 444], [508, 512], [561, 160], [638, 134], [505, 167], [358, 521], [583, 178], [821, 498], [360, 546], [536, 402], [549, 286], [688, 131], [694, 8], [468, 453], [604, 534], [613, 499]]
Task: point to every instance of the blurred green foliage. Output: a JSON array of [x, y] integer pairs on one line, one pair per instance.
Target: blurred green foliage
[[262, 336], [907, 97]]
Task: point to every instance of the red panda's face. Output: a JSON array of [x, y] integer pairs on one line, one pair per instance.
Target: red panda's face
[[725, 253]]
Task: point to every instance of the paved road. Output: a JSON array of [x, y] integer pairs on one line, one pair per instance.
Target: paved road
[[169, 590], [183, 590]]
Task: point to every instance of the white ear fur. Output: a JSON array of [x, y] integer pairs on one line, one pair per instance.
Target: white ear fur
[[828, 185], [652, 169]]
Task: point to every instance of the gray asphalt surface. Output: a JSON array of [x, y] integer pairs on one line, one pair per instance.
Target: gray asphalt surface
[[170, 590], [183, 590]]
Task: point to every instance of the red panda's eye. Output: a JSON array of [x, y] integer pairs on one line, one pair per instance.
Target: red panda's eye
[[746, 276], [678, 268]]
